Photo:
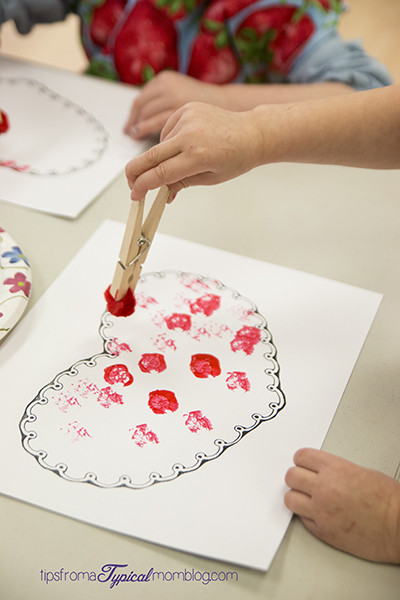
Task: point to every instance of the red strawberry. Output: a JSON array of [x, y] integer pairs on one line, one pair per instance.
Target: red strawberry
[[145, 45], [4, 124], [105, 17], [274, 35], [212, 59], [176, 9]]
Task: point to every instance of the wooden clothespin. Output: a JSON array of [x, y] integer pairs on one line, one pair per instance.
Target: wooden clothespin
[[135, 245]]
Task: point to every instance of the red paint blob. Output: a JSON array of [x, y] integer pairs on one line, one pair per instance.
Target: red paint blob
[[108, 397], [245, 339], [142, 435], [206, 304], [162, 400], [118, 374], [179, 321], [4, 124], [120, 308], [237, 380], [205, 365], [196, 421], [152, 362]]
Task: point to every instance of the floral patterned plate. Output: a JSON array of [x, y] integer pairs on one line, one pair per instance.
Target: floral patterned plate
[[15, 282]]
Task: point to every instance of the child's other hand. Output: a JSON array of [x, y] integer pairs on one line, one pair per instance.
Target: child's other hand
[[350, 507], [200, 145], [162, 96]]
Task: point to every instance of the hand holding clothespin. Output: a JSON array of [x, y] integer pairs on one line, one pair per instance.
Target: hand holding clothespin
[[136, 242]]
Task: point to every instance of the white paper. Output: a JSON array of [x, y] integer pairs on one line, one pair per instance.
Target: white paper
[[65, 142], [228, 508]]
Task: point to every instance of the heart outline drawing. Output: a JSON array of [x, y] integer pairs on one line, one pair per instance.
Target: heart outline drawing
[[174, 290]]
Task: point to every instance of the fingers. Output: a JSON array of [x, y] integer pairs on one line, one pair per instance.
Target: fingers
[[178, 172], [148, 127], [301, 479], [150, 159], [156, 97], [311, 459], [299, 503]]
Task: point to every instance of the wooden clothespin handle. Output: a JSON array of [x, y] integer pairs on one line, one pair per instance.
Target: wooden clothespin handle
[[135, 243]]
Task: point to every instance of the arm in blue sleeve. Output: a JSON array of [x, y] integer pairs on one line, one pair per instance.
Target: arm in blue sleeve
[[27, 13], [330, 58]]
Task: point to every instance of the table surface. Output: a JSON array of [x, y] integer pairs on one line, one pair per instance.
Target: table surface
[[337, 222]]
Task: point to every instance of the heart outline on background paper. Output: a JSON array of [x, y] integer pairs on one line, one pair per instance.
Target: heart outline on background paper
[[237, 404], [96, 138]]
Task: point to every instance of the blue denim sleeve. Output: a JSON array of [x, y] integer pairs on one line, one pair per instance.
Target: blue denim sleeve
[[27, 13], [330, 58]]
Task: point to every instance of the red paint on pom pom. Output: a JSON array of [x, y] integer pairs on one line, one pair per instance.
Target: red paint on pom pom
[[120, 308], [4, 124]]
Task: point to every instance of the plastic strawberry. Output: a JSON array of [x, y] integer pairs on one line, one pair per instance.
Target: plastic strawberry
[[213, 60], [146, 44], [274, 35], [105, 17], [4, 124]]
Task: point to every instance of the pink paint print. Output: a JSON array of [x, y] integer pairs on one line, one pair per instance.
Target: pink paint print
[[144, 301], [237, 380], [143, 436], [75, 432], [107, 397], [64, 402], [196, 421], [118, 374], [204, 366], [162, 400], [116, 347], [194, 283], [179, 321], [245, 339], [162, 342], [206, 304], [152, 363], [12, 164]]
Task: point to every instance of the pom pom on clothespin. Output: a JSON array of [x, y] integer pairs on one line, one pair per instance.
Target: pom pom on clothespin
[[120, 308]]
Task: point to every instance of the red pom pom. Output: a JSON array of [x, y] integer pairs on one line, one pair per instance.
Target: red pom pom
[[120, 308], [4, 124]]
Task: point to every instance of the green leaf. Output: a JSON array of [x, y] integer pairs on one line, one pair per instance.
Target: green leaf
[[248, 33], [300, 12], [190, 5], [147, 73], [213, 26], [102, 69], [174, 6], [222, 39], [337, 6]]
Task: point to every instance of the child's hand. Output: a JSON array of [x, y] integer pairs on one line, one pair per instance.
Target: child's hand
[[162, 96], [352, 508], [200, 145]]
